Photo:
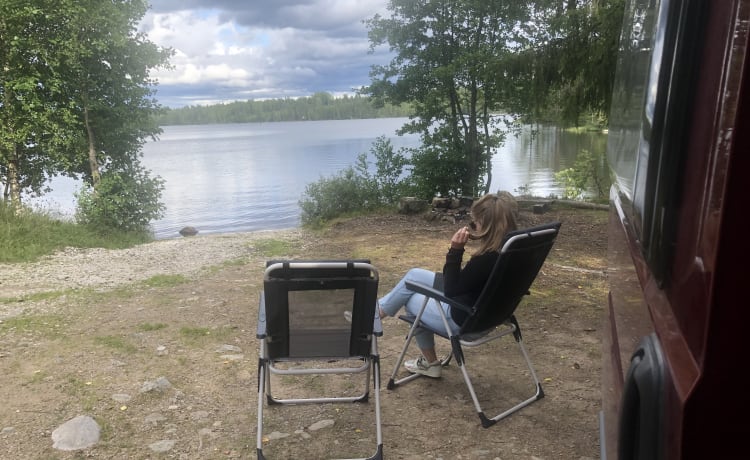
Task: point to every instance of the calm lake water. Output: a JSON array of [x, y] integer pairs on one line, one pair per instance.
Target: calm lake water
[[246, 177]]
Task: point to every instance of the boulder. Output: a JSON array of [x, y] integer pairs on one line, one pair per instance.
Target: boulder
[[411, 205], [189, 231]]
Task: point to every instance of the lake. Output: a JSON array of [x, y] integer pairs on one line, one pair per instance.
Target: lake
[[245, 177]]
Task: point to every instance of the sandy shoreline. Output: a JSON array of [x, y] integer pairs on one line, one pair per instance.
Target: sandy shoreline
[[98, 268]]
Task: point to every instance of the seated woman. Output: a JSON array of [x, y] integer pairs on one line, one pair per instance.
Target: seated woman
[[492, 216]]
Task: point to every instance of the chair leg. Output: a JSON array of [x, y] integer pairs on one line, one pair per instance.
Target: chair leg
[[392, 382], [262, 372], [375, 359], [487, 421], [264, 393]]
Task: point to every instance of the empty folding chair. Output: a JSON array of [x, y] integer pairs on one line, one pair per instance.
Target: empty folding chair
[[492, 316], [314, 316]]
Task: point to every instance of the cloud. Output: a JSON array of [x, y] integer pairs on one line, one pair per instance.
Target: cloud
[[235, 50]]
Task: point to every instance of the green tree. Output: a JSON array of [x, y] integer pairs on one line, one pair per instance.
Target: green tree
[[107, 66], [33, 118], [565, 68], [76, 94], [449, 57]]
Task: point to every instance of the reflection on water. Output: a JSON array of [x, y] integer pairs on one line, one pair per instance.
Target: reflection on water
[[245, 177]]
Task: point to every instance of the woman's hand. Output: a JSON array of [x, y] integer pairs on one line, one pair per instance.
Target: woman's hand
[[459, 239]]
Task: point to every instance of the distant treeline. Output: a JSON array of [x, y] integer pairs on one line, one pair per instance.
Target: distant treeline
[[319, 106]]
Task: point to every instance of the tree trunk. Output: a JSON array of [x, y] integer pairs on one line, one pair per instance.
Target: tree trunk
[[93, 161], [13, 181]]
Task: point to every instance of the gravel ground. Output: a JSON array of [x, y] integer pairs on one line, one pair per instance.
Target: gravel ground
[[98, 268]]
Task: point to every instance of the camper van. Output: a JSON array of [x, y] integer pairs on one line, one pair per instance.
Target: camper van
[[676, 338]]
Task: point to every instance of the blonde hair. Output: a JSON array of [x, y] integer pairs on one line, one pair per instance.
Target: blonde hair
[[495, 215]]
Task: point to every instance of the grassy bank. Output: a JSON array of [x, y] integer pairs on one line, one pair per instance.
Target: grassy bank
[[28, 235]]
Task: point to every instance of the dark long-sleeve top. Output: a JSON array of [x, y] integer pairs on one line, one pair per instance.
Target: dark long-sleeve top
[[465, 284]]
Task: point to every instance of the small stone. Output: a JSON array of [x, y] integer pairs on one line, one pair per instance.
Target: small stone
[[78, 433], [161, 384], [164, 445], [319, 425], [277, 435], [121, 397], [228, 349], [233, 357]]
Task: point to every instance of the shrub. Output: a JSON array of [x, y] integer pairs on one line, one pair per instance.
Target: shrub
[[343, 193], [124, 200], [355, 189], [585, 175]]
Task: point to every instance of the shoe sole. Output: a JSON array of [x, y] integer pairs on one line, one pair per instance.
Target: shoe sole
[[424, 374]]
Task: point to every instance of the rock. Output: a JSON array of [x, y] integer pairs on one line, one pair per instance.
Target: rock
[[188, 231], [161, 384], [412, 205], [441, 203], [78, 433], [229, 348], [164, 445], [540, 208], [320, 425], [121, 397]]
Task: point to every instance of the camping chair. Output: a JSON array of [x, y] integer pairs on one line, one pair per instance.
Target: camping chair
[[492, 316], [318, 313]]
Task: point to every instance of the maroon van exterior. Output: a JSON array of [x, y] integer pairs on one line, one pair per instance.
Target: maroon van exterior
[[676, 337]]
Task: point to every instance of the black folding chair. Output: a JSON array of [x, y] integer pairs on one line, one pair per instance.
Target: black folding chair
[[312, 316], [492, 316]]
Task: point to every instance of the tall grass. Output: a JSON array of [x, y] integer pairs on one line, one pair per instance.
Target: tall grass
[[28, 235]]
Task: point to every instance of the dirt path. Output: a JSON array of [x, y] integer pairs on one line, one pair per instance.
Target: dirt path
[[83, 331]]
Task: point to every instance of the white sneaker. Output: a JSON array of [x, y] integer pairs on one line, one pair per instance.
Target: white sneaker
[[423, 367]]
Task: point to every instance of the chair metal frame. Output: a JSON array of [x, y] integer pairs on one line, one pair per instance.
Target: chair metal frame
[[366, 327], [471, 334]]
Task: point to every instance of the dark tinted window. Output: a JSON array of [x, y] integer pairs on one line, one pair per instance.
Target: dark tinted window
[[648, 119]]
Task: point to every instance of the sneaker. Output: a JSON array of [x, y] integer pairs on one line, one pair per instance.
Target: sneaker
[[423, 367]]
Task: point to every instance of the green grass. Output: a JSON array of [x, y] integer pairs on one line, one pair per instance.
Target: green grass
[[29, 235], [50, 326], [196, 335], [39, 296], [148, 327], [165, 280], [116, 343], [273, 247]]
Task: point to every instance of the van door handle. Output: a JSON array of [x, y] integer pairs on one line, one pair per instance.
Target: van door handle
[[641, 430]]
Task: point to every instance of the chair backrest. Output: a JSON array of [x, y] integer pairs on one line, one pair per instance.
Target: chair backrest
[[521, 257], [319, 309]]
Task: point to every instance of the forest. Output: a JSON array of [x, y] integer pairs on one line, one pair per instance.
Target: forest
[[319, 106]]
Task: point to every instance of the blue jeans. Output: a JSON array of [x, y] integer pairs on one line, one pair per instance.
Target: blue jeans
[[401, 296]]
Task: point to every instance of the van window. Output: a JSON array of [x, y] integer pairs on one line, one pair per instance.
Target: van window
[[645, 147]]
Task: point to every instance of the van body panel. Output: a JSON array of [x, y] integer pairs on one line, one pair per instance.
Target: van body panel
[[675, 337]]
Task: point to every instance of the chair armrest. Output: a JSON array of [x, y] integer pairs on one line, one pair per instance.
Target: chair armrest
[[431, 292], [261, 331]]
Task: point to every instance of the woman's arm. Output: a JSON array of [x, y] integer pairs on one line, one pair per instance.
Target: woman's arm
[[469, 281]]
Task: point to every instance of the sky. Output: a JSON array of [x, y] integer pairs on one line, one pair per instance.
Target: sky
[[227, 50]]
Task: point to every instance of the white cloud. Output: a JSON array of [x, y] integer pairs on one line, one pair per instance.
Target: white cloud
[[229, 50]]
